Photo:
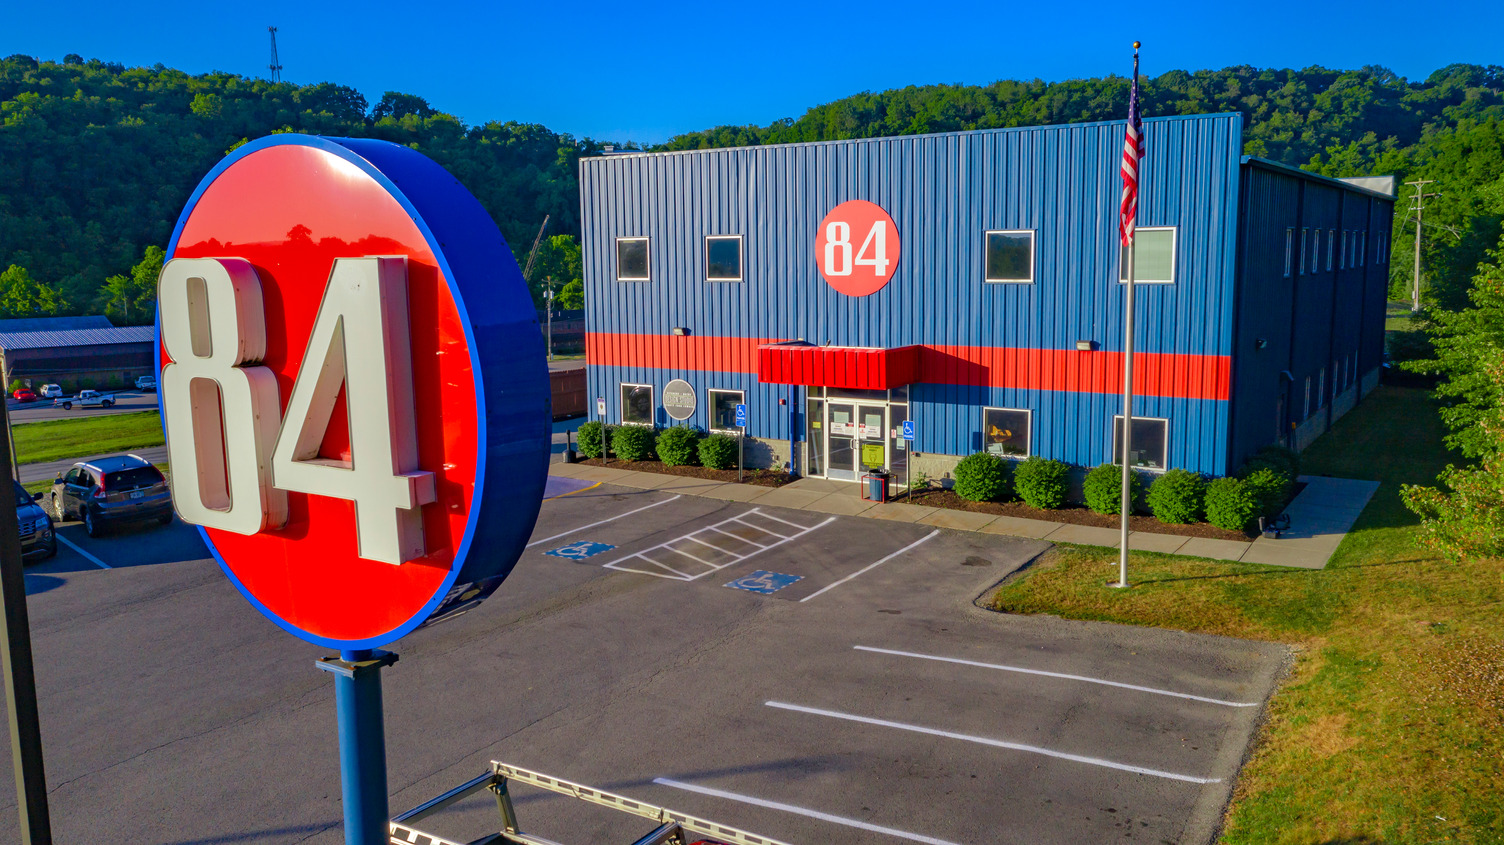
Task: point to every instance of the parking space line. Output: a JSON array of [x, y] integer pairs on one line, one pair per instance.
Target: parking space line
[[682, 576], [800, 811], [1060, 675], [871, 566], [711, 567], [713, 546], [591, 525], [996, 743], [764, 514], [75, 547]]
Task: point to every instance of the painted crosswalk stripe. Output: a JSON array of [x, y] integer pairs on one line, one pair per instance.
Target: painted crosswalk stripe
[[996, 743]]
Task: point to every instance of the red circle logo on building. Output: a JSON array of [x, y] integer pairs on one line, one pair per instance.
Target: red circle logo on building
[[857, 248]]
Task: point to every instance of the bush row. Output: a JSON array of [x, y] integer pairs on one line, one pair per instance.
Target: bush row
[[675, 446], [1260, 488]]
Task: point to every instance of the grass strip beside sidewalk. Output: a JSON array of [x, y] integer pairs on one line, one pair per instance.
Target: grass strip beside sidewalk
[[56, 440], [1391, 725]]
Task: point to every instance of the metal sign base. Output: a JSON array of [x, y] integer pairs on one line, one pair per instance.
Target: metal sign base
[[362, 742], [674, 828]]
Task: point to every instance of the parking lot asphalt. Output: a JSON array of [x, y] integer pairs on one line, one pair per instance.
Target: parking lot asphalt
[[125, 402], [813, 679]]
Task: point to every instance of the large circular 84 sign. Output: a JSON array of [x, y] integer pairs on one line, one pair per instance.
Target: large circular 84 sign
[[352, 385]]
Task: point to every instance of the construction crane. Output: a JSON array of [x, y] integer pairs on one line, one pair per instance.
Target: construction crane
[[532, 255], [275, 66]]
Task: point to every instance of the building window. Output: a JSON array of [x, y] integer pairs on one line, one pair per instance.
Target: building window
[[637, 404], [1006, 431], [1321, 390], [1331, 242], [1153, 256], [1362, 248], [1342, 257], [1150, 442], [1305, 235], [1305, 413], [1289, 249], [1315, 250], [632, 259], [723, 258], [1010, 256], [723, 409]]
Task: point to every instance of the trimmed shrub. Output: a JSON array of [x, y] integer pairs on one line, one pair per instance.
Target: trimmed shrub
[[1230, 504], [592, 439], [982, 477], [718, 451], [1279, 455], [1103, 488], [1272, 489], [1040, 482], [1177, 497], [1256, 464], [679, 446], [632, 442]]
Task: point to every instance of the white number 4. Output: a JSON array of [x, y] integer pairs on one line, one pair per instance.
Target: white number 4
[[235, 458]]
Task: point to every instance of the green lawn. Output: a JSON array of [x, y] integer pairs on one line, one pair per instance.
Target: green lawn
[[55, 440], [1390, 727]]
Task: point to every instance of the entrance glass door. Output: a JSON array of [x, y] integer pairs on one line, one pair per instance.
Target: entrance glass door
[[873, 452], [842, 431]]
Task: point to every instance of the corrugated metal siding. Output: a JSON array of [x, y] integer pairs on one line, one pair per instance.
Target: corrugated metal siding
[[77, 337], [943, 192], [1375, 286], [838, 366]]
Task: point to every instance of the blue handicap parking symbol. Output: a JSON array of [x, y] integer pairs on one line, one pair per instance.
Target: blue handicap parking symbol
[[579, 550], [765, 582], [741, 416], [908, 429]]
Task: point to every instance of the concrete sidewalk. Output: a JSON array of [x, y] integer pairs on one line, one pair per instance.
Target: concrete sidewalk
[[1320, 516]]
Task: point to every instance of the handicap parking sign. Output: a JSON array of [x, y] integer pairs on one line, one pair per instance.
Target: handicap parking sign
[[908, 429], [764, 582], [741, 416], [579, 550]]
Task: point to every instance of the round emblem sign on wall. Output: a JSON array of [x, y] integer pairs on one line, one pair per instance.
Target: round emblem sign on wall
[[679, 399], [857, 248], [353, 387]]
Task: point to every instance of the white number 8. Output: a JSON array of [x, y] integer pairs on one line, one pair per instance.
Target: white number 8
[[235, 459]]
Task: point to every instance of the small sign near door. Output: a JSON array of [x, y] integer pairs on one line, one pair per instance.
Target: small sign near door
[[741, 416], [600, 407]]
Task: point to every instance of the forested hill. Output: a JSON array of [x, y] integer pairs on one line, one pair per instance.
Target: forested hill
[[96, 160]]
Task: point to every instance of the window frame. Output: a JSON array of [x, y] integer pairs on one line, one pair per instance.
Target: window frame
[[621, 412], [741, 258], [1028, 440], [1289, 249], [1315, 251], [1174, 256], [1363, 251], [1331, 242], [1033, 255], [1342, 255], [1305, 237], [1113, 436], [616, 244], [710, 408]]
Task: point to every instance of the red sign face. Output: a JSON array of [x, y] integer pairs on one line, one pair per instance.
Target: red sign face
[[857, 248]]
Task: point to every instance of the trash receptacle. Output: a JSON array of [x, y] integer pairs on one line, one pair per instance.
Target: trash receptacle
[[875, 486]]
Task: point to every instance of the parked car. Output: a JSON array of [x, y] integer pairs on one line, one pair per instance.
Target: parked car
[[52, 391], [107, 491], [24, 394], [37, 537], [86, 399], [148, 383]]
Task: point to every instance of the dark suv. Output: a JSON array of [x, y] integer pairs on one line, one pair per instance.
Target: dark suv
[[37, 539], [110, 490]]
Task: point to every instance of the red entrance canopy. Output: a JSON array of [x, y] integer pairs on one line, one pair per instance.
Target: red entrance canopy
[[848, 367]]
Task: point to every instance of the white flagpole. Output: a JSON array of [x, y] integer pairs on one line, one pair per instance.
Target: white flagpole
[[1127, 433]]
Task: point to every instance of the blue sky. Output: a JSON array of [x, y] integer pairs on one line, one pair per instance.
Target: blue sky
[[646, 71]]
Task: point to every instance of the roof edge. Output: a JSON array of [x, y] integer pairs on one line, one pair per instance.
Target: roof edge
[[1290, 170]]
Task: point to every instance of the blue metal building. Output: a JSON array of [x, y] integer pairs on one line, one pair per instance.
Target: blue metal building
[[970, 282]]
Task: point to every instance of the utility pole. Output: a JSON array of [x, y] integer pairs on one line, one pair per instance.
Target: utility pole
[[1419, 207], [548, 302], [275, 66]]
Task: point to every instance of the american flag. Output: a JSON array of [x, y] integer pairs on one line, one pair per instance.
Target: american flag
[[1133, 153]]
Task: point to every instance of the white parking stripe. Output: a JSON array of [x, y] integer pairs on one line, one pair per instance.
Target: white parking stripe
[[74, 546], [1061, 675], [591, 525], [997, 743], [871, 566], [800, 811], [621, 563]]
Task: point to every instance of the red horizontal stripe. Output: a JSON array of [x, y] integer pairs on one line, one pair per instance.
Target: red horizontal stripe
[[1172, 375]]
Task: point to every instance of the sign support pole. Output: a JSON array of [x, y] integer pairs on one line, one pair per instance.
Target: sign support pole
[[741, 453], [362, 742], [20, 679]]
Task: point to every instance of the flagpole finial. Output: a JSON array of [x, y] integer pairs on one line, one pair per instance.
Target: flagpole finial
[[1137, 45]]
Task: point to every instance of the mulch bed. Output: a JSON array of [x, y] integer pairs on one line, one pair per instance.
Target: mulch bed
[[758, 477], [1072, 514]]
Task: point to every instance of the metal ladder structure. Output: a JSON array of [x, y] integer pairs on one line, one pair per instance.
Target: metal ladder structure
[[674, 828]]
